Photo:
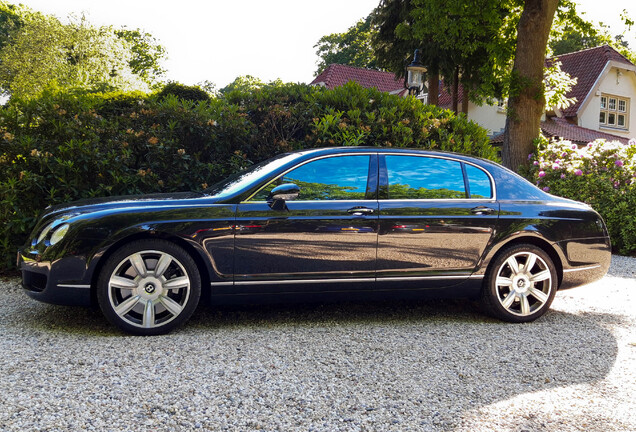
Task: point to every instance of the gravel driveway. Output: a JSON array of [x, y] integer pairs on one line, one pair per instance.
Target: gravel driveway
[[400, 366]]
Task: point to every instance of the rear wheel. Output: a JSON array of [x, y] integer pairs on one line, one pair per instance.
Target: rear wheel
[[149, 287], [520, 285]]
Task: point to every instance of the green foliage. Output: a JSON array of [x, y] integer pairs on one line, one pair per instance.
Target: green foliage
[[184, 92], [10, 20], [38, 52], [352, 47], [601, 174], [65, 146], [244, 83], [146, 52], [557, 85], [571, 33], [475, 39]]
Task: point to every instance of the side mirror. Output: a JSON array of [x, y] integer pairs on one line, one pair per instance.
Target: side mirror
[[282, 193]]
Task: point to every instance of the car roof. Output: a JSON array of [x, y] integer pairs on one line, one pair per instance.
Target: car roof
[[367, 149]]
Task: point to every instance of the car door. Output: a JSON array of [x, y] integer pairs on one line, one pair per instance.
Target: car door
[[327, 235], [437, 215]]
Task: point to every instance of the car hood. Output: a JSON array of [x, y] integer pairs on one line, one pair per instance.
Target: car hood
[[105, 203]]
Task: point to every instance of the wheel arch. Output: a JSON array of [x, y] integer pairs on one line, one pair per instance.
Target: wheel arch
[[535, 241], [185, 245]]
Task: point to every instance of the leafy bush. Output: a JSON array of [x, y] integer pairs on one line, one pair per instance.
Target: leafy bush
[[185, 92], [601, 174], [62, 146]]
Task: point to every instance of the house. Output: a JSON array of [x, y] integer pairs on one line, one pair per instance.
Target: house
[[605, 89]]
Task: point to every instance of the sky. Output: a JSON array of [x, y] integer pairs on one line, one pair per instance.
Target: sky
[[218, 40]]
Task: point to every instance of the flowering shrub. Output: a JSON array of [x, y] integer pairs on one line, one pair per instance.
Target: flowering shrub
[[601, 174]]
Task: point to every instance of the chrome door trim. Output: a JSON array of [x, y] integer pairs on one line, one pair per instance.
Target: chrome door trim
[[342, 280]]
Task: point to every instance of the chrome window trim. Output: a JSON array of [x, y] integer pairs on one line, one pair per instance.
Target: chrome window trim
[[492, 180], [456, 200], [247, 200]]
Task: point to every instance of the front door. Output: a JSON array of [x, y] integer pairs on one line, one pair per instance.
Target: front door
[[327, 235]]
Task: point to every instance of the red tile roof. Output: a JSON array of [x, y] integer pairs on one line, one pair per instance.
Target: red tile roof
[[445, 100], [336, 75], [561, 128], [586, 66]]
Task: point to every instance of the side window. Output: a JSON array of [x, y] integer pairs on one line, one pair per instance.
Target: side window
[[416, 177], [334, 178], [478, 182]]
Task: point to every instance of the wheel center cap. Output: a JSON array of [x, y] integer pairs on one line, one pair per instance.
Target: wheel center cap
[[521, 284], [149, 288]]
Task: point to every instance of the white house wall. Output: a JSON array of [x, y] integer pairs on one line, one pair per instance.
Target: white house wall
[[489, 117], [623, 86]]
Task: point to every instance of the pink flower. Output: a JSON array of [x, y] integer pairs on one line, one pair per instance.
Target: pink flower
[[555, 166], [619, 163], [530, 156], [631, 142], [564, 154], [541, 173], [578, 172], [574, 147], [546, 189], [535, 163], [562, 176]]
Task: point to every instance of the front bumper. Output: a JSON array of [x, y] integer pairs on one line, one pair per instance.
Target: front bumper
[[62, 281]]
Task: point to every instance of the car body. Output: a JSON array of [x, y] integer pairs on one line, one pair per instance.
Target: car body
[[353, 220]]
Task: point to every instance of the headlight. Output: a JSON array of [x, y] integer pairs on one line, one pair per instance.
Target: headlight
[[59, 233], [45, 232]]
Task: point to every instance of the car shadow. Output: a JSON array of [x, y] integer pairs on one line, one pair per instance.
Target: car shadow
[[405, 358]]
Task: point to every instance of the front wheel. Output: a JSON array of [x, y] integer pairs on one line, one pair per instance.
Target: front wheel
[[520, 285], [149, 287]]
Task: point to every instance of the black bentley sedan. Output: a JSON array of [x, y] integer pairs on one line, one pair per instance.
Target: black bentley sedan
[[354, 221]]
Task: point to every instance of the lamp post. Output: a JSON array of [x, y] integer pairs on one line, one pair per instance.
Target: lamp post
[[415, 75]]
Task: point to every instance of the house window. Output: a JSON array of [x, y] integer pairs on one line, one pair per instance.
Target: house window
[[614, 112]]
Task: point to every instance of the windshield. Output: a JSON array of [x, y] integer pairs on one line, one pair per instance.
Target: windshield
[[240, 180]]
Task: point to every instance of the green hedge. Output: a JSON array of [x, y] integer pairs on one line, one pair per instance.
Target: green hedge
[[601, 174], [65, 146]]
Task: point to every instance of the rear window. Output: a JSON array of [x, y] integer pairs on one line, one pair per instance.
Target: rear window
[[417, 177]]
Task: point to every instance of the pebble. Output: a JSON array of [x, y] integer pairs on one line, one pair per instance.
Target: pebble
[[389, 366]]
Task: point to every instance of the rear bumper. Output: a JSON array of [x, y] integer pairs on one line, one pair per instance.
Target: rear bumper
[[59, 282], [588, 260]]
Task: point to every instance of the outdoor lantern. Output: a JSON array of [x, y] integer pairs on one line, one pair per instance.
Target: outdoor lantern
[[415, 75]]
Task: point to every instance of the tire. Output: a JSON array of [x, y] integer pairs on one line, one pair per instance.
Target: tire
[[520, 285], [149, 287]]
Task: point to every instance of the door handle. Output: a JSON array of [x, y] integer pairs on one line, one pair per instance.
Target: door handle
[[360, 211], [481, 210]]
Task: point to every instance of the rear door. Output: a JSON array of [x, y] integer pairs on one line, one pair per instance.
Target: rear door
[[437, 215]]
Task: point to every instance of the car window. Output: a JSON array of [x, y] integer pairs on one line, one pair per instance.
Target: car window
[[334, 178], [478, 182], [415, 177]]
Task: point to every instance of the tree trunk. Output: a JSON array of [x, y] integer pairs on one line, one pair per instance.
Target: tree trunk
[[527, 102], [433, 89], [455, 92], [465, 101]]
